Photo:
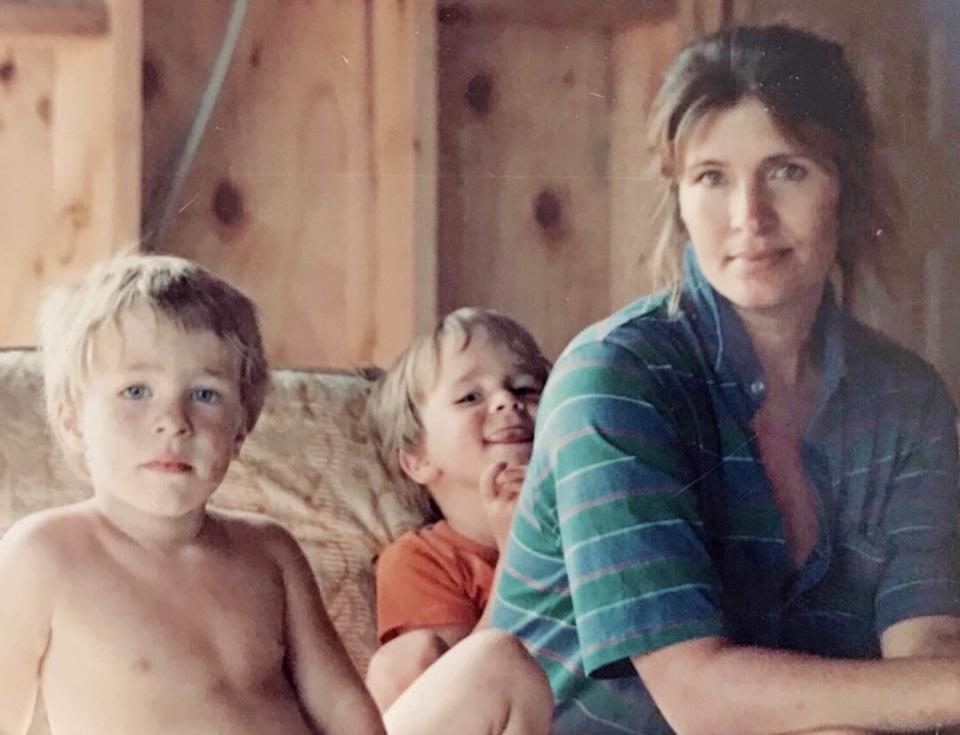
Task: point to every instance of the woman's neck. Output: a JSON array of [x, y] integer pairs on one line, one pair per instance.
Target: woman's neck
[[782, 342]]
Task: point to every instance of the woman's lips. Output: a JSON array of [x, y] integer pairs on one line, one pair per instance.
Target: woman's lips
[[756, 260]]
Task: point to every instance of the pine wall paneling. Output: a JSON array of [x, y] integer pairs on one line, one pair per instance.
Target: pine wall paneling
[[69, 147], [306, 190]]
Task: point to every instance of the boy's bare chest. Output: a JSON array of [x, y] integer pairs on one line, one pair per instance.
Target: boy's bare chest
[[190, 629]]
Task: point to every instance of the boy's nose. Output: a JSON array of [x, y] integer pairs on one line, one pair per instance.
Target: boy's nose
[[172, 419], [751, 209], [505, 399]]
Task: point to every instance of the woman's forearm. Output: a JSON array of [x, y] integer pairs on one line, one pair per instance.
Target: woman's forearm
[[709, 686]]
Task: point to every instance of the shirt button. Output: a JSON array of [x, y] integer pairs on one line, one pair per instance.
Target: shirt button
[[757, 387]]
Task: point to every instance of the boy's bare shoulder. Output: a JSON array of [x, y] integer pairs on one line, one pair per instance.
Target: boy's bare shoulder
[[47, 546], [51, 531], [254, 530]]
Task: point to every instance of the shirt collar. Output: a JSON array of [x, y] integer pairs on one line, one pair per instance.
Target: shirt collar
[[727, 345]]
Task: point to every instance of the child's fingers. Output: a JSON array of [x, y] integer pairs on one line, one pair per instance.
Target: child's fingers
[[510, 480], [489, 481]]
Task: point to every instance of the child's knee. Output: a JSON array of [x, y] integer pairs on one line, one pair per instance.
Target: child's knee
[[502, 654], [406, 656]]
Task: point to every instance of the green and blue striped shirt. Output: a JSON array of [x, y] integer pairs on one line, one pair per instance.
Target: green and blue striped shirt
[[647, 518]]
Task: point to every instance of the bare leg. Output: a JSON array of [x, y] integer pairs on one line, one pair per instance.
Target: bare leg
[[398, 663], [485, 685]]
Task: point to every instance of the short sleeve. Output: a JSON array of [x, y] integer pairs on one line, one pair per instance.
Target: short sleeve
[[922, 572], [416, 589], [626, 494]]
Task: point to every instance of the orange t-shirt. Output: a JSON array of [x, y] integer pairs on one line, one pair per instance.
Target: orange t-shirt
[[430, 577]]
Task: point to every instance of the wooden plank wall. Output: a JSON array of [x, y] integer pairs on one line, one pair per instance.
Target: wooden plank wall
[[304, 190], [528, 166], [69, 150]]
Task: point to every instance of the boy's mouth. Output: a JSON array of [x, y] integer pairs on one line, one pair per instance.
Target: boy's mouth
[[170, 465], [511, 435]]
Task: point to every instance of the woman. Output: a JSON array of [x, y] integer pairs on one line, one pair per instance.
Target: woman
[[737, 491]]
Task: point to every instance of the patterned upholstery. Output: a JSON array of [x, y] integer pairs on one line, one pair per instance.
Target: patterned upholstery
[[309, 464]]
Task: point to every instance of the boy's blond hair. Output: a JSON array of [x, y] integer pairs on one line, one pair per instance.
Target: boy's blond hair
[[393, 407], [173, 288]]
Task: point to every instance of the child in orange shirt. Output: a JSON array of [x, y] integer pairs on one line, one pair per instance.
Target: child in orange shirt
[[456, 413]]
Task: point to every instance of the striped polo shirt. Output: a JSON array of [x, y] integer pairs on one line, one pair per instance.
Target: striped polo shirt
[[647, 519]]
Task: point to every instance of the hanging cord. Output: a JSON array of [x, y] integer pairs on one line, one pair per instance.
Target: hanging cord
[[157, 216]]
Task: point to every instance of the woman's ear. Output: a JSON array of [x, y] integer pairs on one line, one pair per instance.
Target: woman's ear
[[418, 466], [238, 442]]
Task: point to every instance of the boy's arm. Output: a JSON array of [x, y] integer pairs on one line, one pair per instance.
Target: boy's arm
[[25, 614], [500, 487], [331, 692]]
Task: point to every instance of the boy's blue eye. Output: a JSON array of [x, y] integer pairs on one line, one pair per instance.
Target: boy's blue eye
[[135, 392], [205, 395]]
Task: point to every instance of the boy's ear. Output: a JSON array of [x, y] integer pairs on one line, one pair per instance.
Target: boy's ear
[[417, 467], [71, 435]]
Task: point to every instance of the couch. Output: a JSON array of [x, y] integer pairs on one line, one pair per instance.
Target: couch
[[309, 463]]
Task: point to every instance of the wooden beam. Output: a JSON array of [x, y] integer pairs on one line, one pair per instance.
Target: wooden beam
[[19, 18], [582, 14]]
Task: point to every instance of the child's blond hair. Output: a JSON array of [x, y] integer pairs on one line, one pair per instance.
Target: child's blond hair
[[393, 407], [173, 288]]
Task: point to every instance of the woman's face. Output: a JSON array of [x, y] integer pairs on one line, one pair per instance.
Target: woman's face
[[761, 211]]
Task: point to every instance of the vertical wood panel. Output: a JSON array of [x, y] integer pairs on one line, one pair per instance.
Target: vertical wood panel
[[26, 141], [523, 213], [405, 184], [305, 189], [69, 143]]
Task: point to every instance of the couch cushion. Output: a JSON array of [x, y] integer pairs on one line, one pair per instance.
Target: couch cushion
[[309, 463]]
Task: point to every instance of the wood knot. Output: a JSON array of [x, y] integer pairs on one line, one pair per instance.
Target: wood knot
[[479, 94], [43, 108], [8, 71], [228, 203], [548, 211], [152, 81]]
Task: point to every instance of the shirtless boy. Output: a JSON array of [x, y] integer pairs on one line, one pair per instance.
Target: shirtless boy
[[142, 610]]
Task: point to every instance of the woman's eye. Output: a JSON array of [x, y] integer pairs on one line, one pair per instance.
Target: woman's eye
[[789, 171], [135, 392], [710, 177], [205, 395], [468, 398]]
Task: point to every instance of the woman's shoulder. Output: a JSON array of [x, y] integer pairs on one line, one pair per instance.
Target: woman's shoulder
[[874, 361], [868, 348], [645, 331]]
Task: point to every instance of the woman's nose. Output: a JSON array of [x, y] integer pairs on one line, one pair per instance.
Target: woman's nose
[[752, 211]]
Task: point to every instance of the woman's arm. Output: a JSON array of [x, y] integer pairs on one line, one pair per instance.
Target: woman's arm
[[752, 690]]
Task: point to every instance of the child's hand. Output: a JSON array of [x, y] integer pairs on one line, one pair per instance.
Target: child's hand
[[499, 489]]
